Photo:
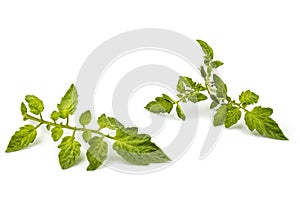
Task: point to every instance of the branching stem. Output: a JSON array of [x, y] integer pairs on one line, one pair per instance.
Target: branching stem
[[66, 126]]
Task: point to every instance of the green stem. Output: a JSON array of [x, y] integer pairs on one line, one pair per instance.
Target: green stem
[[227, 98], [180, 99], [206, 82], [38, 125], [176, 102], [68, 120], [66, 126], [238, 105], [207, 88], [74, 131]]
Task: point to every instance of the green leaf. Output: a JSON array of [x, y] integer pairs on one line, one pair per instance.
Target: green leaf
[[87, 135], [36, 105], [160, 105], [102, 121], [97, 153], [23, 109], [209, 54], [199, 87], [220, 116], [57, 132], [248, 98], [180, 112], [196, 97], [180, 86], [203, 72], [109, 122], [259, 119], [69, 152], [129, 133], [22, 138], [213, 105], [221, 87], [138, 148], [215, 64], [55, 115], [48, 127], [68, 103], [166, 97], [233, 116], [184, 82], [85, 118], [187, 81], [209, 71], [214, 98]]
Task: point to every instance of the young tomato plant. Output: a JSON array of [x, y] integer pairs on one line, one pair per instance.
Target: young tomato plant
[[132, 146], [129, 144], [228, 111]]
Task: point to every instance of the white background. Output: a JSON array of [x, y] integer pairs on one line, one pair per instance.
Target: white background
[[43, 45]]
